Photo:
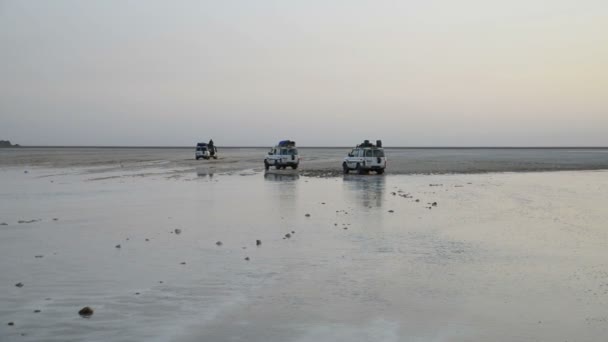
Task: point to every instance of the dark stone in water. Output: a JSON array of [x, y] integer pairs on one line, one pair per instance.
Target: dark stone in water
[[117, 246], [288, 235], [19, 285], [434, 204], [11, 323], [307, 215], [36, 311], [247, 258], [219, 243], [293, 232], [147, 239], [182, 263], [86, 312], [3, 224], [137, 293], [391, 211], [258, 242], [178, 231], [39, 256]]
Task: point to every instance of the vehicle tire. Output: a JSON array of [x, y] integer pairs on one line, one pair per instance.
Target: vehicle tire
[[345, 168], [294, 167], [380, 171], [214, 157], [278, 167], [266, 165], [197, 158], [359, 169]]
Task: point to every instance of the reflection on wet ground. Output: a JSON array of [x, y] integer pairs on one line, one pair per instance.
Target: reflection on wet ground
[[368, 190], [281, 177]]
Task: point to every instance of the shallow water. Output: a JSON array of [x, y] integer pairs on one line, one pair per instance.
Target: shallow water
[[315, 161], [502, 257]]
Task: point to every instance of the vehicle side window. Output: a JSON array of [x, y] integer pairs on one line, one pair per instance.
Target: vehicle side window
[[360, 153], [378, 153], [368, 153]]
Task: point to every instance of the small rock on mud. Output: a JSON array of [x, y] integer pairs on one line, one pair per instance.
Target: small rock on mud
[[86, 312]]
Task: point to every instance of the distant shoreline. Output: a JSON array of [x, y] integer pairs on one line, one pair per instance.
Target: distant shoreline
[[335, 147]]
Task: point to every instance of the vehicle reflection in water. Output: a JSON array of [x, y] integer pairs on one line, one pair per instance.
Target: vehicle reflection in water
[[367, 190], [204, 173], [284, 188], [281, 177]]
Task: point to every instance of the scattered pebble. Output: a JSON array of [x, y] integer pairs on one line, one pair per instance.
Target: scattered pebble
[[293, 232], [11, 323], [117, 246], [391, 211], [258, 242], [86, 312], [137, 293], [288, 235], [417, 200], [147, 239], [322, 202], [434, 204], [36, 311], [182, 263], [345, 228], [219, 243], [160, 282], [247, 258], [19, 285], [307, 215], [38, 256], [27, 221], [55, 219], [178, 231], [3, 224]]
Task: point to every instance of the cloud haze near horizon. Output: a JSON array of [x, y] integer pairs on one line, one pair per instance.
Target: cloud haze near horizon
[[324, 73]]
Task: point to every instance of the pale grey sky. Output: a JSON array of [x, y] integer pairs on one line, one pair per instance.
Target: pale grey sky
[[413, 73]]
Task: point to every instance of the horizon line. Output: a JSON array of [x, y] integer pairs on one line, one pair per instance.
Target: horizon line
[[319, 147]]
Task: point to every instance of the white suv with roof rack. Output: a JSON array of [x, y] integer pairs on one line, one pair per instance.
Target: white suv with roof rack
[[366, 157], [283, 155]]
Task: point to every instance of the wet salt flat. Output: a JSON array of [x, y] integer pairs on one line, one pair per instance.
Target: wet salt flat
[[500, 257]]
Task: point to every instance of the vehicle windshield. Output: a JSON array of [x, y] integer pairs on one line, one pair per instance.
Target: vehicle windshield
[[378, 153], [201, 149]]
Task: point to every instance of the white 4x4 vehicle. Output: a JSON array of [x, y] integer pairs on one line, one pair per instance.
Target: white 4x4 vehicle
[[205, 151], [366, 157], [283, 155]]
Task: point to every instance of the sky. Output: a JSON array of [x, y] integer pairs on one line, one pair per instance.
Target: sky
[[321, 72]]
